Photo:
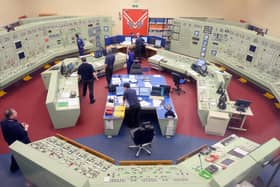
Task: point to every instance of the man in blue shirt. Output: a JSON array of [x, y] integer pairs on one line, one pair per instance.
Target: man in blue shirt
[[133, 113], [139, 45], [109, 66], [87, 75], [130, 59], [12, 131], [80, 44]]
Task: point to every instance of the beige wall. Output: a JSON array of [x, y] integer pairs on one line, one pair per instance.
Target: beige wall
[[10, 10], [260, 12], [265, 13], [157, 8]]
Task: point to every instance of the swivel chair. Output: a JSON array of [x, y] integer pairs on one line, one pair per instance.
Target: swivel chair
[[136, 68], [178, 81], [142, 138]]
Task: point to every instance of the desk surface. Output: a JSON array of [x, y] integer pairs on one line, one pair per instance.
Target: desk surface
[[147, 102]]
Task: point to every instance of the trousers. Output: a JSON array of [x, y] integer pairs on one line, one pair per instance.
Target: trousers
[[88, 84]]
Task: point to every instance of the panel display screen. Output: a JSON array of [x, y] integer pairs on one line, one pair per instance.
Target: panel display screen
[[252, 48], [21, 55], [18, 44], [249, 58]]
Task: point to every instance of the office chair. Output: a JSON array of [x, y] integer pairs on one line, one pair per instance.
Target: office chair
[[178, 81], [142, 138], [136, 68]]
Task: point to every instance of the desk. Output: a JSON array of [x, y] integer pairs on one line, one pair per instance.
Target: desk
[[62, 162], [64, 111], [240, 116], [112, 124], [207, 97], [150, 50]]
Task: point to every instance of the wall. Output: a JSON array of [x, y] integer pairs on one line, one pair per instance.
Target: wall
[[265, 13], [10, 10], [157, 8]]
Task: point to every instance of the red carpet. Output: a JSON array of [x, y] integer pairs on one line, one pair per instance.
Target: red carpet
[[28, 98]]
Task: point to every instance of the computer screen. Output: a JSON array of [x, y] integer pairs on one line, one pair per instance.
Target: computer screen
[[119, 90], [158, 43], [166, 89], [136, 89], [157, 91], [249, 58], [252, 48], [70, 68], [200, 62], [127, 39], [21, 55], [18, 44], [144, 91], [145, 39]]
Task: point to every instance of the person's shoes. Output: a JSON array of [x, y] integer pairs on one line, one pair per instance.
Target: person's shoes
[[92, 101]]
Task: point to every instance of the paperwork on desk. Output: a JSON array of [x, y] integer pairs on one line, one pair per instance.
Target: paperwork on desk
[[156, 57], [116, 81], [70, 102], [145, 104], [148, 85]]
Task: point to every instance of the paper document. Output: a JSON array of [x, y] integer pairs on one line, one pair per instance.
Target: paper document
[[144, 104], [109, 124], [157, 57], [156, 103], [65, 95]]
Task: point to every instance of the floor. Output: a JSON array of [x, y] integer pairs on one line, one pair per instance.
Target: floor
[[28, 99]]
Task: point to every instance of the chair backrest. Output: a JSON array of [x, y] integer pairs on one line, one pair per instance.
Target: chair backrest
[[143, 135]]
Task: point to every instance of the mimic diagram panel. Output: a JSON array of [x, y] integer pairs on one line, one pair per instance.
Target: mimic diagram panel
[[35, 43], [253, 56]]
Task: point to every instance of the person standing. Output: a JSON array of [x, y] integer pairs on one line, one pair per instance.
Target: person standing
[[109, 66], [87, 74], [14, 131], [130, 59], [80, 44], [133, 113], [139, 44]]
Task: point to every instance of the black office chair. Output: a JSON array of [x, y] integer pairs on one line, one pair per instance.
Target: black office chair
[[178, 81], [136, 68], [142, 137]]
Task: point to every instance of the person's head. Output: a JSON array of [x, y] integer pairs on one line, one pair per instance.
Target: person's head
[[84, 59], [126, 85], [10, 114], [77, 36]]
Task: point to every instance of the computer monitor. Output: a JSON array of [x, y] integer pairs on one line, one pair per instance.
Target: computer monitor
[[18, 44], [166, 89], [157, 91], [69, 68], [21, 55], [158, 43], [242, 105], [145, 39], [136, 89], [127, 39], [119, 90], [144, 91]]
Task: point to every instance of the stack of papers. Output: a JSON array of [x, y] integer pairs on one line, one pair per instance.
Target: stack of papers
[[116, 81], [144, 104], [156, 103]]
